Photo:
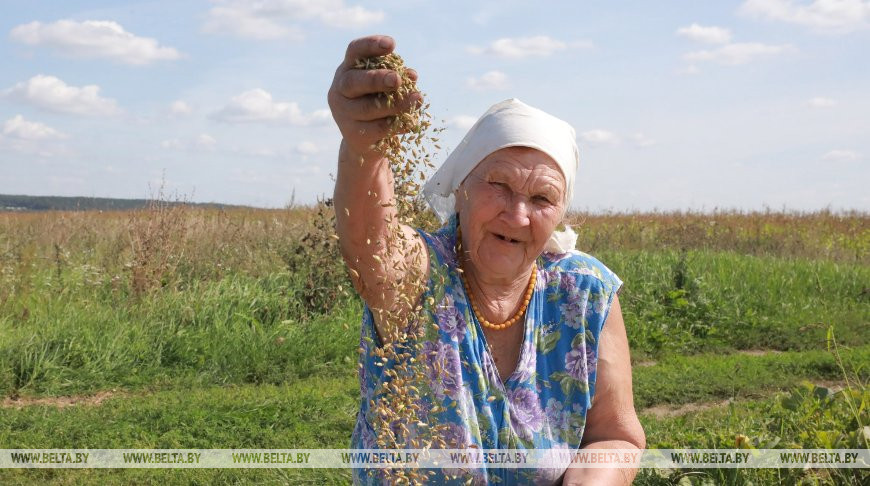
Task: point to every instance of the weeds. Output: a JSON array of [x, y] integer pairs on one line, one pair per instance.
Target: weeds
[[158, 235], [316, 260], [808, 416], [856, 390]]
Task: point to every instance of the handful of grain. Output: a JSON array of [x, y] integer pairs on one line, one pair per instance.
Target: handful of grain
[[410, 142]]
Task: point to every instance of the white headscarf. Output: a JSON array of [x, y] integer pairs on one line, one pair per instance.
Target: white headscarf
[[510, 123]]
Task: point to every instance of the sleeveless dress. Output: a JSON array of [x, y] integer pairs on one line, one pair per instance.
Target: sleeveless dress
[[542, 405]]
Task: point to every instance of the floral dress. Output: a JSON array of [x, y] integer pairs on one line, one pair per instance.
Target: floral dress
[[542, 404]]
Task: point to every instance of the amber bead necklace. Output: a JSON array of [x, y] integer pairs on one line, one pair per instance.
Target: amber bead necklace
[[474, 307]]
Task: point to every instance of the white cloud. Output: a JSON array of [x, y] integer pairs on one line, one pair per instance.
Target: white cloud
[[277, 19], [205, 141], [489, 81], [51, 93], [32, 138], [179, 107], [462, 122], [18, 127], [841, 155], [709, 35], [349, 17], [243, 22], [307, 148], [642, 141], [832, 16], [257, 105], [599, 137], [521, 47], [821, 102], [94, 38], [738, 53]]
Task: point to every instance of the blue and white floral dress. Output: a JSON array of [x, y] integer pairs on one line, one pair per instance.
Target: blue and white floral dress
[[543, 404]]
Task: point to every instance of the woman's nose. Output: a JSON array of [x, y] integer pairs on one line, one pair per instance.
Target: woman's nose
[[517, 212]]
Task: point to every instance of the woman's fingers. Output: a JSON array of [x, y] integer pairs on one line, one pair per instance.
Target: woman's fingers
[[354, 83], [371, 46]]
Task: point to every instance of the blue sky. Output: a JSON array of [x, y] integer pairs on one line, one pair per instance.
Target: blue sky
[[677, 104]]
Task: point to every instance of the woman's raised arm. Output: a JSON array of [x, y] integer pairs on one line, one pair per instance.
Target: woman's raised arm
[[386, 259]]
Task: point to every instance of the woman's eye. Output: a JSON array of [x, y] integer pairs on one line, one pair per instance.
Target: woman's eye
[[541, 199]]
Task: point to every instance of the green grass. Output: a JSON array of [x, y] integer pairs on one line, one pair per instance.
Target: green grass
[[318, 411], [684, 379], [307, 413], [242, 329], [314, 412], [700, 301], [238, 330]]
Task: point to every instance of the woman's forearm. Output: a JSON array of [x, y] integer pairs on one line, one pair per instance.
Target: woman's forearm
[[363, 189]]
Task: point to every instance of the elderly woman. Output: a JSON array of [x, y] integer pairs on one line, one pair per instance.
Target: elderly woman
[[528, 333]]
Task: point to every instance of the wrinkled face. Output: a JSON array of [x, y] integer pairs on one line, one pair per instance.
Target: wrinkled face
[[508, 207]]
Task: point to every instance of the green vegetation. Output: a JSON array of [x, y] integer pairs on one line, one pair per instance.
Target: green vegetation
[[702, 301], [808, 416], [701, 378], [207, 328]]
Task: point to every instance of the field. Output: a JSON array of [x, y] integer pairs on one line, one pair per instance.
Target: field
[[181, 327]]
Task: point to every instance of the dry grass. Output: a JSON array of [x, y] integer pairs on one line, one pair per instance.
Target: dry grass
[[843, 237], [171, 246], [159, 246], [60, 402]]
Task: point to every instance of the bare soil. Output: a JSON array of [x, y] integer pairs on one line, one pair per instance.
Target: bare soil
[[59, 402]]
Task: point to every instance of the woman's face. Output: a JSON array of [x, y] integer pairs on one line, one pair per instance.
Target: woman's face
[[508, 207]]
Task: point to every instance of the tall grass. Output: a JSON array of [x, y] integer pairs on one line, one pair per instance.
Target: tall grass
[[842, 237]]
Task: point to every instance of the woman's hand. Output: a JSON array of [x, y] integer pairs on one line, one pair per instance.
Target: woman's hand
[[356, 97]]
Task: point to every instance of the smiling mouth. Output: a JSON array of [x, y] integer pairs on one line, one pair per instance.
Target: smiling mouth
[[505, 238]]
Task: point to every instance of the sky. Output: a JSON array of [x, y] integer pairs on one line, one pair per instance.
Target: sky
[[677, 105]]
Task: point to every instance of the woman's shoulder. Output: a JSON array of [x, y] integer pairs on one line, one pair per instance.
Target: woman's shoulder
[[580, 264], [441, 244]]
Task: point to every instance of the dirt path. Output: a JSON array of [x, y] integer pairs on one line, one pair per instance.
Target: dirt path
[[60, 402], [666, 410]]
